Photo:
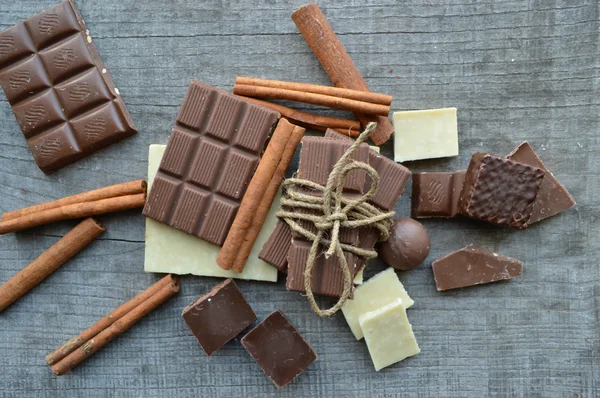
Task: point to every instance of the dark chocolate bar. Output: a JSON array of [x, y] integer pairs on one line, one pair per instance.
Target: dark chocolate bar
[[553, 197], [473, 266], [278, 348], [209, 161], [218, 316], [499, 190], [436, 194], [60, 91]]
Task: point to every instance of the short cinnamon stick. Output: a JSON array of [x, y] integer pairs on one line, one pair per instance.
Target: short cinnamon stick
[[335, 60], [49, 261], [118, 327], [311, 98], [309, 120], [73, 211], [127, 188], [105, 322], [254, 196], [365, 96]]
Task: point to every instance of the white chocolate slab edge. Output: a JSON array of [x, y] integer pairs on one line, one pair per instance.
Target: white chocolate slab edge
[[388, 334], [169, 250], [381, 289]]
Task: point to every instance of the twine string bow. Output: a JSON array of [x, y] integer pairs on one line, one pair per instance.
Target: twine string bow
[[336, 211]]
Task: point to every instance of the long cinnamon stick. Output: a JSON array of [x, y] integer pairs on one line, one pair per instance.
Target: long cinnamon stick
[[365, 96], [309, 120], [73, 211], [335, 60], [254, 196], [269, 195], [118, 327], [311, 98], [49, 261], [105, 322], [127, 188]]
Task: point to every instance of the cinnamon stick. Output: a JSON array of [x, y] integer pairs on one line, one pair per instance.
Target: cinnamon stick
[[127, 188], [309, 120], [49, 261], [118, 327], [335, 60], [311, 98], [365, 96], [73, 211], [105, 322], [254, 198]]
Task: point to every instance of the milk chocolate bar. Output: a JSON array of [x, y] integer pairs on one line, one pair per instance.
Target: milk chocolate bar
[[278, 348], [436, 194], [499, 190], [59, 89], [218, 316], [211, 157], [473, 266], [553, 197]]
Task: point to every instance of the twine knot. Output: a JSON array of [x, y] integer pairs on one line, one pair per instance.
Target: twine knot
[[336, 211]]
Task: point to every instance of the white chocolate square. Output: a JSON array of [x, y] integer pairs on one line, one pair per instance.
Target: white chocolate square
[[169, 250], [425, 134], [382, 289], [388, 335]]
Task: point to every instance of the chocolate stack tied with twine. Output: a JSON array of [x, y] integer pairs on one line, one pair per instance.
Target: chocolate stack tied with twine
[[336, 211]]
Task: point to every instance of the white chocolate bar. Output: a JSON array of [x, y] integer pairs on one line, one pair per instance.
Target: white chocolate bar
[[382, 289], [388, 334], [169, 250]]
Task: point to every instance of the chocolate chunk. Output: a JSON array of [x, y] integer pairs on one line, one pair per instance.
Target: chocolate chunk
[[552, 198], [408, 245], [279, 349], [61, 94], [275, 250], [473, 266], [218, 316], [499, 190], [436, 194], [211, 156]]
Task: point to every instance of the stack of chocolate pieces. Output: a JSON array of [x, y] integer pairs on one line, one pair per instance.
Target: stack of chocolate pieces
[[515, 191], [317, 159]]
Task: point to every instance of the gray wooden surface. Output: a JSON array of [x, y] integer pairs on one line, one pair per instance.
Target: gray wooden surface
[[516, 70]]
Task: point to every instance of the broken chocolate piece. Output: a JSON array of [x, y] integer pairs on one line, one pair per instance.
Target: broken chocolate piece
[[473, 266], [436, 194], [59, 89], [210, 159], [218, 316], [553, 197], [279, 349], [499, 190]]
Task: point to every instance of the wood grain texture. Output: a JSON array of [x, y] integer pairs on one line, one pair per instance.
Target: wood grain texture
[[515, 70]]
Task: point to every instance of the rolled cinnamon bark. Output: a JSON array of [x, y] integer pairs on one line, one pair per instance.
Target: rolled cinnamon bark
[[335, 60], [73, 211], [127, 188], [49, 261], [118, 327]]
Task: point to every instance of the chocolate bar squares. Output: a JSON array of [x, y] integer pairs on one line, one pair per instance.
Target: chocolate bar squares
[[210, 159], [436, 194], [60, 91], [499, 190]]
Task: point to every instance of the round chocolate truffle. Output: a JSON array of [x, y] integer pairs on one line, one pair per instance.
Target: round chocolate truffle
[[407, 246]]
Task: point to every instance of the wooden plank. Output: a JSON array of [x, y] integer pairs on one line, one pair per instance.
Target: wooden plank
[[515, 70]]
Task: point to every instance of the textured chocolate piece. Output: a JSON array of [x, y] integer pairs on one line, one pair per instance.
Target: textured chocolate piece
[[473, 266], [279, 349], [218, 316], [436, 194], [211, 156], [499, 190], [275, 249], [407, 246], [61, 94], [553, 197]]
